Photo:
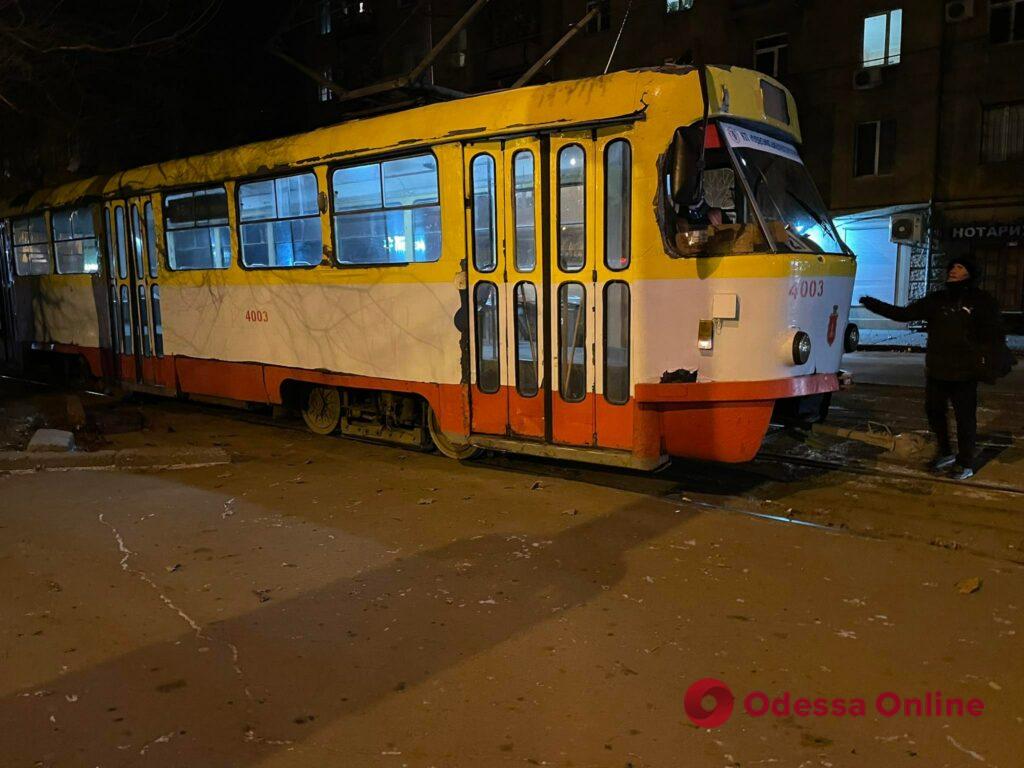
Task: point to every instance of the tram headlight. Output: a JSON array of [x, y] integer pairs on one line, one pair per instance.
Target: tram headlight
[[801, 348], [851, 338]]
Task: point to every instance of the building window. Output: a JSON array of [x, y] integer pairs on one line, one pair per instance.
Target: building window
[[31, 245], [76, 250], [1002, 132], [883, 34], [771, 55], [601, 21], [198, 236], [326, 93], [1006, 21], [387, 213], [323, 14], [674, 6], [280, 222], [875, 148]]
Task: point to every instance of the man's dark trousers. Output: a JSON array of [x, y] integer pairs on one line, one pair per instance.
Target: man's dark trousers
[[964, 396]]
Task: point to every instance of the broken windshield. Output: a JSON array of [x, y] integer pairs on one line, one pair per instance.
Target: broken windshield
[[783, 192]]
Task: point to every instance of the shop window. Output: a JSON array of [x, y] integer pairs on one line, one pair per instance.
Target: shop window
[[280, 222], [771, 55], [198, 236], [76, 249], [875, 148], [31, 245], [387, 213], [1002, 132], [883, 34], [1006, 21]]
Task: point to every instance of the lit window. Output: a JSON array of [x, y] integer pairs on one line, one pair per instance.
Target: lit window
[[875, 148], [324, 16], [387, 213], [883, 33], [572, 233], [1002, 132], [673, 6], [198, 236], [771, 55], [76, 250], [280, 222], [31, 245], [1006, 21], [326, 92]]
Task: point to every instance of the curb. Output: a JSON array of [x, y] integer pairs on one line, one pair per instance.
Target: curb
[[128, 458]]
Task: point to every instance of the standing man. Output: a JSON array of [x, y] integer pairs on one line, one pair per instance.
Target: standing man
[[966, 343]]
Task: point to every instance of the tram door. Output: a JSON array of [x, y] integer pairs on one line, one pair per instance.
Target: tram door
[[531, 307], [137, 339]]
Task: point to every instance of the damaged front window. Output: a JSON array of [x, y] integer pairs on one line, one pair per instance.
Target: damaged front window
[[752, 186]]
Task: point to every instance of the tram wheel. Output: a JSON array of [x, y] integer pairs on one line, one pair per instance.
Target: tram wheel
[[322, 409], [459, 451]]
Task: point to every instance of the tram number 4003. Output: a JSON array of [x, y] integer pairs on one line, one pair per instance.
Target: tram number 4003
[[803, 289], [257, 315]]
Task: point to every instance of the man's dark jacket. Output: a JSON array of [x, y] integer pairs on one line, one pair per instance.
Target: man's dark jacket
[[966, 340]]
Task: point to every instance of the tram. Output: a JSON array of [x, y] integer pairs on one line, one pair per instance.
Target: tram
[[618, 269]]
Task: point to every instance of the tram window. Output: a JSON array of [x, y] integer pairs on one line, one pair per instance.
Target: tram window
[[158, 324], [122, 243], [144, 321], [31, 245], [151, 240], [126, 322], [526, 339], [618, 162], [196, 225], [388, 212], [572, 237], [76, 251], [485, 248], [524, 211], [138, 240], [111, 255], [572, 342], [488, 365], [616, 342], [280, 222]]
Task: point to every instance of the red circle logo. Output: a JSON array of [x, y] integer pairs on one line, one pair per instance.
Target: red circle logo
[[693, 703]]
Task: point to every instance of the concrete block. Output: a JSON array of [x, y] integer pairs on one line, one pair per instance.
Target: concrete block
[[51, 441]]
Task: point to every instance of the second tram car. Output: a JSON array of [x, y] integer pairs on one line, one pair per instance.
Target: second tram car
[[618, 269]]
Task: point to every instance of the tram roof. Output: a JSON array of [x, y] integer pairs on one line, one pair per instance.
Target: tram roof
[[615, 98]]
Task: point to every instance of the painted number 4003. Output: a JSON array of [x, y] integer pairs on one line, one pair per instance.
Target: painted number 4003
[[803, 289], [257, 315]]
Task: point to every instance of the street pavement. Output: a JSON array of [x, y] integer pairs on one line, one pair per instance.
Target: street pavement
[[320, 601]]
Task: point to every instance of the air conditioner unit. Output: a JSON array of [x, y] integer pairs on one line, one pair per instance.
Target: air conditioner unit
[[906, 228], [867, 78], [959, 10]]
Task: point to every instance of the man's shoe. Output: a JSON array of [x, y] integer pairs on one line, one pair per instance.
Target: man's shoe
[[940, 463], [961, 473]]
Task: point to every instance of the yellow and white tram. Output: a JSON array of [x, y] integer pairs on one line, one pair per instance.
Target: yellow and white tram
[[617, 269]]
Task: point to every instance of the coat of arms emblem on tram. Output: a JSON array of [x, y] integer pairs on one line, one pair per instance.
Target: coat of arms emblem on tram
[[833, 321]]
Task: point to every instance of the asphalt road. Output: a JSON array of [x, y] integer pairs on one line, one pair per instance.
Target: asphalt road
[[326, 602]]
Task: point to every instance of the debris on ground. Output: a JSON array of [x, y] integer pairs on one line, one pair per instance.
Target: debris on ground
[[968, 586], [51, 441]]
